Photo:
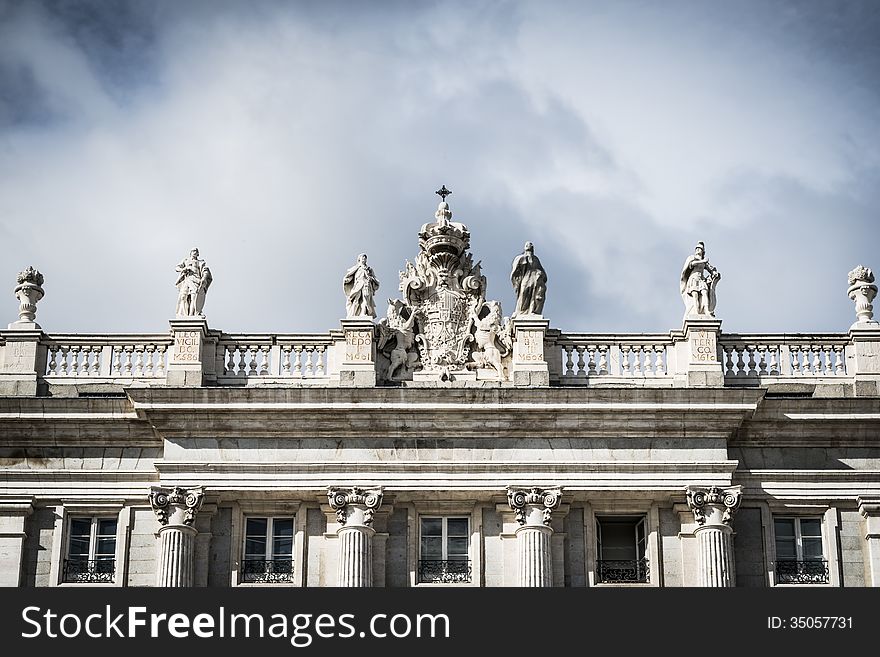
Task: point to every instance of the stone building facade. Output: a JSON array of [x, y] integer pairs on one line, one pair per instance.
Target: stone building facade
[[443, 445]]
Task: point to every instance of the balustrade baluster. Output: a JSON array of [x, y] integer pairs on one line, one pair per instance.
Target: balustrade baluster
[[795, 360], [637, 360], [829, 367], [581, 363], [320, 353], [603, 359], [52, 364], [139, 360], [116, 364], [309, 367], [762, 360], [151, 350], [624, 359], [264, 360], [728, 352], [774, 361], [752, 364], [127, 365], [741, 361], [591, 360], [160, 361], [806, 364], [252, 365], [297, 363], [817, 359], [242, 360], [285, 360], [74, 360], [840, 368], [649, 359], [64, 366], [569, 362], [659, 360]]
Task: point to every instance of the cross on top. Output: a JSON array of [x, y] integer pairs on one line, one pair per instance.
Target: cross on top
[[443, 192]]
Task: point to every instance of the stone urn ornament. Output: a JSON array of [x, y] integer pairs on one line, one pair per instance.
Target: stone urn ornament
[[862, 290], [28, 291]]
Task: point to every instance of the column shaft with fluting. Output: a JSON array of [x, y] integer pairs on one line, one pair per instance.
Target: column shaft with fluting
[[355, 508], [533, 509], [713, 510], [176, 509]]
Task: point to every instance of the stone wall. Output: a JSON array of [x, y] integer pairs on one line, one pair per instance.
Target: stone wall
[[143, 548], [852, 548], [748, 547], [37, 557]]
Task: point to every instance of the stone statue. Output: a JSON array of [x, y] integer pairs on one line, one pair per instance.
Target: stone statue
[[698, 281], [360, 285], [396, 338], [862, 290], [193, 282], [529, 282], [489, 334]]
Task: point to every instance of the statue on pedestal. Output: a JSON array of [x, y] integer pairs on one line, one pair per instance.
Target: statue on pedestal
[[490, 334], [397, 338], [193, 280], [529, 282], [698, 281], [360, 285]]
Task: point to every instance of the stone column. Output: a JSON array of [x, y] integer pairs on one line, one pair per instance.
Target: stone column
[[533, 509], [176, 509], [357, 367], [695, 352], [713, 509], [870, 509], [528, 366], [355, 508]]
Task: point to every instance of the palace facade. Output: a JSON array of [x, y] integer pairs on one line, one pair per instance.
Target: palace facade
[[443, 445]]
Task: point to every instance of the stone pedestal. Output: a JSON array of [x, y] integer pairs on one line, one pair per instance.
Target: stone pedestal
[[23, 360], [713, 509], [355, 508], [533, 509], [528, 365], [357, 367], [13, 513], [869, 507], [192, 357], [176, 509], [863, 358], [698, 362]]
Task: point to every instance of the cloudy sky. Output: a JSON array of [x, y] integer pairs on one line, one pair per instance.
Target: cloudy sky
[[284, 138]]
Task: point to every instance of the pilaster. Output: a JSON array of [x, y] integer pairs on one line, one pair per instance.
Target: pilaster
[[13, 512], [869, 507]]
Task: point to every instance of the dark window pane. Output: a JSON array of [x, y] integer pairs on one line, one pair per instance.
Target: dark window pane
[[456, 545], [432, 547], [812, 548], [256, 527], [457, 526], [784, 527], [255, 547], [282, 527], [432, 526], [811, 527], [106, 546], [107, 527], [78, 546], [80, 526], [282, 546], [785, 549]]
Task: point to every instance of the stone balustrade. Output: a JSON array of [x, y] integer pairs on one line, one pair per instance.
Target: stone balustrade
[[587, 356], [761, 357], [279, 356], [107, 357]]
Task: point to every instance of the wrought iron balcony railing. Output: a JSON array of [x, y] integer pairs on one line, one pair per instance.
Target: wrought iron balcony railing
[[267, 571], [444, 572], [89, 571], [811, 571], [619, 571]]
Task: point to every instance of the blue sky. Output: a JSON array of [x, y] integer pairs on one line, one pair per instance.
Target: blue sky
[[285, 138]]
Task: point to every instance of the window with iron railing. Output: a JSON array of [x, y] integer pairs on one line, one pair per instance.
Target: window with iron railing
[[91, 550], [621, 550], [444, 550], [268, 550], [800, 555]]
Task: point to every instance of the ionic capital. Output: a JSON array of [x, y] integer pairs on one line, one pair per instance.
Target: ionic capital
[[714, 506], [533, 507], [176, 506], [355, 506]]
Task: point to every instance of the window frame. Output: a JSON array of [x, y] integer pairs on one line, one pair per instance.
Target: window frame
[[281, 509], [471, 510], [828, 526], [69, 509], [638, 520], [649, 511]]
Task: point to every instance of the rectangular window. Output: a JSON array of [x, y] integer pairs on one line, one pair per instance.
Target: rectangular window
[[268, 550], [800, 557], [91, 550], [621, 548], [444, 550]]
